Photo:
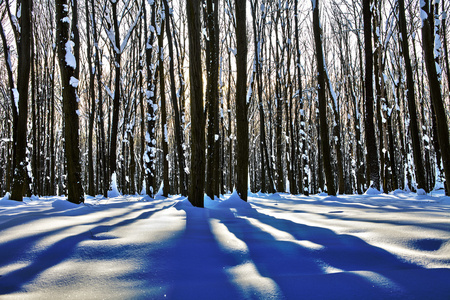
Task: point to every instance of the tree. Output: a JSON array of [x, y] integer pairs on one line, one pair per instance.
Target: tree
[[241, 101], [165, 138], [150, 152], [12, 90], [20, 142], [417, 152], [429, 48], [102, 156], [197, 171], [178, 129], [212, 97], [91, 188], [68, 63], [371, 144], [117, 88], [264, 156], [321, 76]]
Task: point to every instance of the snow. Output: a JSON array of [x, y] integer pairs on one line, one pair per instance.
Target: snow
[[16, 99], [113, 191], [74, 82], [281, 246], [70, 58], [423, 15]]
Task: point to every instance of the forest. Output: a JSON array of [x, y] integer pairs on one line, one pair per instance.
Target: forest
[[210, 96]]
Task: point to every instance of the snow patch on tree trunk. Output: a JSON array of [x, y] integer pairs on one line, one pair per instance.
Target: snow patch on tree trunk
[[113, 192]]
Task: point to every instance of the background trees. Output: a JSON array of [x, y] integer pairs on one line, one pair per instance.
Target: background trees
[[301, 103]]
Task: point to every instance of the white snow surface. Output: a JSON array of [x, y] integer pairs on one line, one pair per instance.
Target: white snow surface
[[281, 246]]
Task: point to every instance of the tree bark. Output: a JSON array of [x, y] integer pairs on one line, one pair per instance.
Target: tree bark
[[241, 101], [371, 144], [428, 34], [24, 50], [70, 102], [417, 151], [197, 172], [117, 89], [324, 137], [178, 129], [91, 186], [212, 98], [150, 152]]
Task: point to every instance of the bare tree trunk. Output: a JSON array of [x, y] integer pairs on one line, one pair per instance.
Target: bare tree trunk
[[178, 131], [417, 151], [24, 50], [445, 44], [197, 182], [241, 101], [150, 152], [212, 98], [117, 90], [68, 64], [279, 113], [428, 33], [371, 144], [325, 144], [91, 186]]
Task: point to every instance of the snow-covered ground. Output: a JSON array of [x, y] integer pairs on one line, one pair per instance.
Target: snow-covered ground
[[280, 246]]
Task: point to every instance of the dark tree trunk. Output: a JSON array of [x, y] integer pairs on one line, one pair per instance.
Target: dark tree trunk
[[150, 152], [91, 186], [117, 91], [163, 103], [303, 171], [178, 129], [197, 182], [279, 113], [417, 152], [212, 98], [324, 137], [70, 104], [24, 50], [428, 33], [371, 144], [241, 101]]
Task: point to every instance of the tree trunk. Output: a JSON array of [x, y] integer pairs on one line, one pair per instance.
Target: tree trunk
[[417, 152], [150, 152], [163, 101], [241, 101], [428, 33], [371, 144], [117, 89], [68, 64], [178, 129], [91, 186], [24, 50], [325, 144], [197, 172], [212, 97]]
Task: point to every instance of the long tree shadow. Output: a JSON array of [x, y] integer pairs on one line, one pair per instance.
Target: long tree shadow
[[196, 263], [387, 203], [314, 262], [341, 215], [18, 250]]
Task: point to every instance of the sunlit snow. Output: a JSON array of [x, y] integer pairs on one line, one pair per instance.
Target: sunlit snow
[[372, 246]]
